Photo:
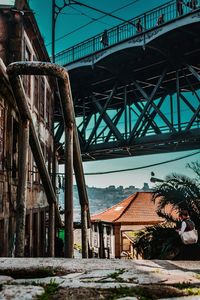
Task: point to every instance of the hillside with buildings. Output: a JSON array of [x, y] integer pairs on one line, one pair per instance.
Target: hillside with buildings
[[101, 198]]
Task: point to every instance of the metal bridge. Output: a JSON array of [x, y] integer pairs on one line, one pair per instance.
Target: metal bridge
[[140, 94]]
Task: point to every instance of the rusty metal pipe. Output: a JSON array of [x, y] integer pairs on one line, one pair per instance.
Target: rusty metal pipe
[[41, 68], [80, 180], [69, 234], [22, 189]]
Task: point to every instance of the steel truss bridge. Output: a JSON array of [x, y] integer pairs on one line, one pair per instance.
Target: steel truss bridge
[[140, 94]]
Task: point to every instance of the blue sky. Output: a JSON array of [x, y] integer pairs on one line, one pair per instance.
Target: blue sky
[[75, 16], [69, 20]]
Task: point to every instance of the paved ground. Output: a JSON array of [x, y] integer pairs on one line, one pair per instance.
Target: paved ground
[[29, 278]]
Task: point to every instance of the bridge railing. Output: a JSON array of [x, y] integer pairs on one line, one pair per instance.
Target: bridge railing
[[122, 32]]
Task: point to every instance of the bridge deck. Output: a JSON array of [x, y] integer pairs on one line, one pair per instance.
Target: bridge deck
[[122, 32], [140, 95]]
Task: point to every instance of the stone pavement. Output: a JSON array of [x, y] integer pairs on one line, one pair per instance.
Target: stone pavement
[[28, 278]]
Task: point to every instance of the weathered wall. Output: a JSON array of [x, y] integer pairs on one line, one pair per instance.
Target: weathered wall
[[17, 44]]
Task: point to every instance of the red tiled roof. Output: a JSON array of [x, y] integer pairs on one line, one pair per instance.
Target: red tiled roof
[[114, 212], [137, 208]]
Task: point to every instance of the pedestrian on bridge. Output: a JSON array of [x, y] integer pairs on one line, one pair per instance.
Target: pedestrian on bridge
[[138, 26], [104, 38], [192, 4], [160, 20], [179, 7]]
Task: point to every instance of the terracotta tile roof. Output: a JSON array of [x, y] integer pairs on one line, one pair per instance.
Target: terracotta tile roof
[[114, 212], [137, 209]]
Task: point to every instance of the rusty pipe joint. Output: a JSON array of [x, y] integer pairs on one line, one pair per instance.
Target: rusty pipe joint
[[48, 69]]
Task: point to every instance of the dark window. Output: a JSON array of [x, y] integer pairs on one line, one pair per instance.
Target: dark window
[[48, 108], [15, 148], [1, 196], [108, 230], [2, 127], [42, 97], [27, 78], [95, 227], [47, 157], [36, 177], [29, 164], [36, 92], [1, 203]]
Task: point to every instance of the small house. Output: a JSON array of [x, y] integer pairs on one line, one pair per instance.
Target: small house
[[112, 229]]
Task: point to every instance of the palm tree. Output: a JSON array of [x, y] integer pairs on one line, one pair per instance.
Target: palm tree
[[178, 192]]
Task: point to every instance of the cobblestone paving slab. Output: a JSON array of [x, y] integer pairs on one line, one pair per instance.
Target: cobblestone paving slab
[[96, 285], [20, 292], [73, 265], [96, 274], [47, 280], [128, 298]]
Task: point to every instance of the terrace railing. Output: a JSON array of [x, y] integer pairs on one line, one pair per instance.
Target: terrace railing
[[122, 32]]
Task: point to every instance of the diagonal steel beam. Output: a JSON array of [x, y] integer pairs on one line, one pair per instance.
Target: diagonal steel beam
[[196, 115], [59, 132], [155, 108], [85, 124], [191, 86], [194, 72], [188, 103], [152, 116], [147, 120], [166, 121], [109, 122], [153, 124], [100, 117], [115, 120], [149, 100]]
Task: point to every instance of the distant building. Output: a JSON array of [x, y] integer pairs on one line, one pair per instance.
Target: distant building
[[146, 187], [110, 234]]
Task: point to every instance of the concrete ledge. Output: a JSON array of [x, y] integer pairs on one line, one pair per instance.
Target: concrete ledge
[[84, 276]]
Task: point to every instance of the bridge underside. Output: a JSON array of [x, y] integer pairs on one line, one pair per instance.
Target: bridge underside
[[140, 100]]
